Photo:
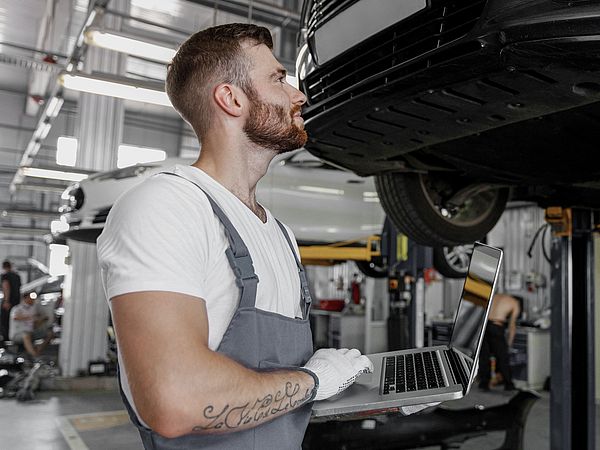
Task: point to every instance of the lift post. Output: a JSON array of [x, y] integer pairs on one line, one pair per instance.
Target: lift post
[[572, 411], [406, 261]]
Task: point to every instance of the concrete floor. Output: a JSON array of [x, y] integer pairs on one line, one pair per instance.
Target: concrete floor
[[96, 420]]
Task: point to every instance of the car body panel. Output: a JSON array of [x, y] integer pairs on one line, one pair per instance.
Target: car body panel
[[504, 92], [319, 203]]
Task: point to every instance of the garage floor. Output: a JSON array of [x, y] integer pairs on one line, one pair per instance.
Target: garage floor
[[96, 420]]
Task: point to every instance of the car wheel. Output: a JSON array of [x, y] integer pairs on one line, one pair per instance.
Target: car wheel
[[370, 269], [436, 212], [452, 262]]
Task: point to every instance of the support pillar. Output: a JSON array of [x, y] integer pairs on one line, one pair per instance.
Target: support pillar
[[100, 130], [572, 408]]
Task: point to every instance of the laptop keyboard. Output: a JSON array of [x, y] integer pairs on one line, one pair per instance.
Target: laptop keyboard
[[412, 372]]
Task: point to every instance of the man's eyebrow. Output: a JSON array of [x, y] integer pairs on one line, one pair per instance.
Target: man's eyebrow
[[280, 72]]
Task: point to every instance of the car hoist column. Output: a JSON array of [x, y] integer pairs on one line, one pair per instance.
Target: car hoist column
[[406, 262], [572, 408]]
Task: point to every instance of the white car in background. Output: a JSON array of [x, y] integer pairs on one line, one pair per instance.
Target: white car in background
[[321, 203]]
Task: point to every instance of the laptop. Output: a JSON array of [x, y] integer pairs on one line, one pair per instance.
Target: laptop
[[428, 374]]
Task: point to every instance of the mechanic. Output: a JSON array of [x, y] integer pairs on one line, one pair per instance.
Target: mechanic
[[27, 325], [11, 289], [209, 300], [504, 312]]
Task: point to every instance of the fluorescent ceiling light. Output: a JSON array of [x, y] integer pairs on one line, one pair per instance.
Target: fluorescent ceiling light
[[129, 155], [66, 151], [123, 43], [59, 226], [321, 190], [119, 87], [54, 106], [370, 197], [42, 131], [52, 174], [374, 227]]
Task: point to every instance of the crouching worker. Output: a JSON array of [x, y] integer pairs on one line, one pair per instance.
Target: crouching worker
[[27, 326]]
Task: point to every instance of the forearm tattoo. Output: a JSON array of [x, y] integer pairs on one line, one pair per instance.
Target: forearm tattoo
[[231, 417]]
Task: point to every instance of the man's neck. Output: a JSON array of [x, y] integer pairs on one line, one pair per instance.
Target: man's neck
[[238, 167]]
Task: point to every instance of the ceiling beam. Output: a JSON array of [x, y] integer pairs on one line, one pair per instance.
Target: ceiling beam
[[263, 12], [22, 242], [23, 231], [43, 187], [37, 213]]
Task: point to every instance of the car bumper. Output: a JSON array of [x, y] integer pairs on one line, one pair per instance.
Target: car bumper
[[502, 71]]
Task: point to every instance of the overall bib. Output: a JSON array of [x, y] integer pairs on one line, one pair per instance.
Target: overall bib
[[258, 340]]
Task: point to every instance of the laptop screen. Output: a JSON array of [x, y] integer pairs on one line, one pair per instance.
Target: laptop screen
[[476, 296]]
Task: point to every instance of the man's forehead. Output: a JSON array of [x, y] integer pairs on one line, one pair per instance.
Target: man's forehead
[[262, 58]]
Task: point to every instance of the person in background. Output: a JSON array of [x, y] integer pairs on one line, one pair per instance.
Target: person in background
[[27, 326], [11, 288], [504, 312]]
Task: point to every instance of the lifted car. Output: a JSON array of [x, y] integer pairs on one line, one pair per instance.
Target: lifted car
[[456, 105]]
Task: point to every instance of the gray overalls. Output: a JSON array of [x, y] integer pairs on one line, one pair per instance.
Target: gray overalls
[[258, 340]]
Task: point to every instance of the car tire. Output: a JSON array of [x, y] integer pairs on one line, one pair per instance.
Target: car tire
[[452, 262], [407, 200], [370, 269]]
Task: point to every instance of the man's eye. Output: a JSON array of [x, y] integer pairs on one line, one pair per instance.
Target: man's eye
[[281, 79]]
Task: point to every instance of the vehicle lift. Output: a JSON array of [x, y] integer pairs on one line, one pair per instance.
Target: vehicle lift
[[572, 410]]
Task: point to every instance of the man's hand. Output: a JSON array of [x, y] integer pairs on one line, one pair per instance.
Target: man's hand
[[336, 369]]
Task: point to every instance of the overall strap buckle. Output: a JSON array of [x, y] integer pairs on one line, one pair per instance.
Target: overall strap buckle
[[304, 287], [242, 268]]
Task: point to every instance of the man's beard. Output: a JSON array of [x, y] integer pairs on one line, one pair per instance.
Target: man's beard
[[268, 126]]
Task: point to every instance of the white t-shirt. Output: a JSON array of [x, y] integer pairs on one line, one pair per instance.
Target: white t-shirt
[[162, 235], [25, 325]]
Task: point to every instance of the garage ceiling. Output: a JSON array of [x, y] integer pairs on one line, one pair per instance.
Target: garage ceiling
[[31, 30]]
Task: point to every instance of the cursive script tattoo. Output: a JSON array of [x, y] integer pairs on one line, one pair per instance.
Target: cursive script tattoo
[[231, 417]]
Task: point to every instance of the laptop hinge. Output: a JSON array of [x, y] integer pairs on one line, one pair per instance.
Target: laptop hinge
[[458, 370]]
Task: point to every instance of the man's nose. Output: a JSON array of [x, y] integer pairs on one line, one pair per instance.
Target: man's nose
[[298, 98]]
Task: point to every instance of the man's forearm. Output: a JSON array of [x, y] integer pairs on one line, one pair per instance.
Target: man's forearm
[[511, 336], [285, 391], [223, 396]]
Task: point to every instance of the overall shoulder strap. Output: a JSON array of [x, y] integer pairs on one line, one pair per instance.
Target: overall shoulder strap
[[304, 291], [237, 254]]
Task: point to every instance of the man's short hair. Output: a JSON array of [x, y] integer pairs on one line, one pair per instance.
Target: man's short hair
[[6, 265], [207, 58]]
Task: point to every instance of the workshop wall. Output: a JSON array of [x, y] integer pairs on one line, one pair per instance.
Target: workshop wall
[[522, 275], [163, 133]]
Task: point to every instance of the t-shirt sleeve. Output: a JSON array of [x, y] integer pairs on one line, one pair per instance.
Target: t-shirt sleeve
[[156, 239]]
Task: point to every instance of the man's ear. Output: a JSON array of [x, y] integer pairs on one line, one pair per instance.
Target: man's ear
[[229, 99]]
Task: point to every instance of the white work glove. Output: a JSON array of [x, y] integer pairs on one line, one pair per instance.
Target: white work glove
[[336, 369], [408, 410]]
